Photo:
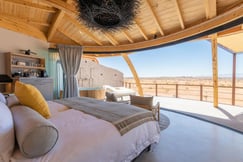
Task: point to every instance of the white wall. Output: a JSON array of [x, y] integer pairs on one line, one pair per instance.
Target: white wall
[[13, 42]]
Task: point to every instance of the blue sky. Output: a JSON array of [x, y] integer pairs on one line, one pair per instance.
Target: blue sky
[[186, 59]]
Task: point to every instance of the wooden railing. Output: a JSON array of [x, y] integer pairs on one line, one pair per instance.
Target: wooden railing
[[191, 91]]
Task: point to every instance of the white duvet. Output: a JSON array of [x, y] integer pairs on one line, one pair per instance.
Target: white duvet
[[84, 138]]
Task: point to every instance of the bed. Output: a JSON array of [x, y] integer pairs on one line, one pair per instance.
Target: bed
[[85, 138]]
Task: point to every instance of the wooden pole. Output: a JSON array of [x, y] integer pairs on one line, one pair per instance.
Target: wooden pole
[[201, 92], [176, 90], [215, 69], [134, 73], [156, 89], [233, 78]]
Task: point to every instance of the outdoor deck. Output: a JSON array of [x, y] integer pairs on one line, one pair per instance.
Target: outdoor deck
[[225, 115]]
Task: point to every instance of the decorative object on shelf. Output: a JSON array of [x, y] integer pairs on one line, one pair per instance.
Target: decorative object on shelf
[[21, 63], [28, 52], [43, 73], [107, 15]]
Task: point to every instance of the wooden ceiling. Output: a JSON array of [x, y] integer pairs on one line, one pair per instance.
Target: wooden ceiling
[[158, 23]]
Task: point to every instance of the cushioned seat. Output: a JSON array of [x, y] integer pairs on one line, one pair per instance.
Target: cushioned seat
[[146, 103]]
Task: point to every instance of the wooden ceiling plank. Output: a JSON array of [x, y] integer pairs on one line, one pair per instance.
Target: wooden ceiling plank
[[222, 19], [69, 36], [84, 30], [127, 36], [33, 5], [178, 10], [55, 22], [110, 39], [140, 29], [25, 20], [210, 8], [156, 20], [21, 28]]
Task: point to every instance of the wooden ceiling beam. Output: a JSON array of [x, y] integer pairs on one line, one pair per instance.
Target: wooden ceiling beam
[[55, 22], [140, 29], [227, 32], [179, 13], [25, 20], [69, 36], [231, 31], [21, 27], [127, 36], [110, 39], [71, 10], [32, 5], [210, 8], [84, 29], [134, 73], [217, 21], [156, 20], [102, 55]]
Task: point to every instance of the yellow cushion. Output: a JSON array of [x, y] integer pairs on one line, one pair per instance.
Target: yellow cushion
[[30, 96]]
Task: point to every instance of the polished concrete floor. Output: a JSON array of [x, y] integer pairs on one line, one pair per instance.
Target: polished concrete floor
[[191, 140], [226, 115]]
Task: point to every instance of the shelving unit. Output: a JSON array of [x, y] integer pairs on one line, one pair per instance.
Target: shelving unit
[[27, 69], [21, 64]]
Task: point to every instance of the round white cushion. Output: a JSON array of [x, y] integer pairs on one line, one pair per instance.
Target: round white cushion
[[35, 135]]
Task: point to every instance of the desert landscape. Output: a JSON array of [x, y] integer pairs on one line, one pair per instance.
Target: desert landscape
[[196, 88]]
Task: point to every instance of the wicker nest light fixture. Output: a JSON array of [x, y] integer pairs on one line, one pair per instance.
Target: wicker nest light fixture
[[107, 15]]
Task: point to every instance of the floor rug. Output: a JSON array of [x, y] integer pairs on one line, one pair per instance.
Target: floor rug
[[164, 122]]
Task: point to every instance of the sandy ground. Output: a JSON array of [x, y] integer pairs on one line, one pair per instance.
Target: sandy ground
[[196, 88]]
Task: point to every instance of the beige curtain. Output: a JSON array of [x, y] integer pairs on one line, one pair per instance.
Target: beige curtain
[[70, 57]]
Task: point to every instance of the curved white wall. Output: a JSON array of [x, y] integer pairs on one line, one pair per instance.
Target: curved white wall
[[92, 75]]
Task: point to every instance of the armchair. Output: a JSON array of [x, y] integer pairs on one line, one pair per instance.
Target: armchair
[[146, 103]]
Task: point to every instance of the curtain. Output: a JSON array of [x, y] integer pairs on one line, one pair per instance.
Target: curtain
[[55, 71], [70, 57]]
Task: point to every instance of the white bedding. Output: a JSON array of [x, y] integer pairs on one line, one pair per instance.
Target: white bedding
[[84, 138]]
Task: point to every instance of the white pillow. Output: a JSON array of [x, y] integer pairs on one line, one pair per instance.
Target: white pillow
[[7, 140], [2, 98]]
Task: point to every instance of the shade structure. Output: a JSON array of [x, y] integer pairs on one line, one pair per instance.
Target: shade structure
[[158, 23]]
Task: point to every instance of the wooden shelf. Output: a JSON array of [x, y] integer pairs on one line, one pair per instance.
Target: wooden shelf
[[31, 65], [28, 67], [26, 56]]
